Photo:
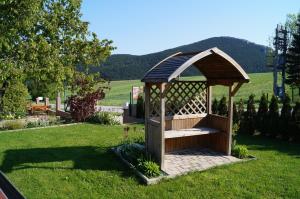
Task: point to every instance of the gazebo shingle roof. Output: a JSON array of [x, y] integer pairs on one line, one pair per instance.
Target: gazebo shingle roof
[[213, 63]]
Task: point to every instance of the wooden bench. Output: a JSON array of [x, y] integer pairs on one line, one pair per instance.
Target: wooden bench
[[190, 132], [34, 108]]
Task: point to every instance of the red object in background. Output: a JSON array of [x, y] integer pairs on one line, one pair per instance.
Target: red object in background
[[2, 195]]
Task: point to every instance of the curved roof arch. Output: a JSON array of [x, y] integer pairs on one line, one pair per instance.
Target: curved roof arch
[[213, 63]]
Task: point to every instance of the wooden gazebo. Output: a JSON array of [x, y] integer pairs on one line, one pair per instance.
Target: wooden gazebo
[[178, 113]]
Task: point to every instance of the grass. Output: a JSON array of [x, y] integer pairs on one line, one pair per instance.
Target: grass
[[75, 162], [259, 83]]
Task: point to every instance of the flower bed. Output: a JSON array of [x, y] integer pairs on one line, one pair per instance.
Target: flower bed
[[134, 156], [31, 122]]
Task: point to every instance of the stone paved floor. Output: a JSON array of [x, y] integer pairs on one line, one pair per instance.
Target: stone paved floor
[[183, 161]]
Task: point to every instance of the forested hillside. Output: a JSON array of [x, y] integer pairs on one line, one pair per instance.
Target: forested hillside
[[249, 55]]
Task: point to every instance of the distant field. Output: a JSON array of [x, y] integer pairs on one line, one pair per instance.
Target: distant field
[[259, 83]]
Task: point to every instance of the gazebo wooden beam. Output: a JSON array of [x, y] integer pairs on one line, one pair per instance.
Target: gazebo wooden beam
[[229, 120], [162, 124], [147, 115], [236, 88]]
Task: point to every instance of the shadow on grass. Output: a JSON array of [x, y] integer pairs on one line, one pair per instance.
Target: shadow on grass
[[269, 144], [83, 158]]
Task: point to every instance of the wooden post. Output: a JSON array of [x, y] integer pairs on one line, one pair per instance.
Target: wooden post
[[229, 120], [46, 101], [147, 107], [58, 102], [162, 125], [209, 96]]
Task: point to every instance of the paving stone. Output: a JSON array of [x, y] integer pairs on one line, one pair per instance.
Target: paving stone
[[183, 161]]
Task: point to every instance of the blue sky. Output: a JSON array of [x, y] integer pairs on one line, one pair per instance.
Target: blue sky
[[146, 26]]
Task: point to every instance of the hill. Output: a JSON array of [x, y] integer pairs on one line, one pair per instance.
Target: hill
[[249, 55]]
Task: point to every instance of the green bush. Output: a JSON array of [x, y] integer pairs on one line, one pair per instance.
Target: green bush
[[296, 121], [240, 111], [13, 124], [240, 151], [132, 152], [50, 120], [140, 110], [273, 117], [214, 106], [248, 124], [222, 107], [286, 117], [148, 167], [102, 117], [234, 113], [14, 100], [137, 156], [262, 114]]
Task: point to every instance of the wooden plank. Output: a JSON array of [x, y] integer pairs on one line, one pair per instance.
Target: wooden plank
[[162, 126], [209, 99], [236, 88], [147, 115], [229, 130]]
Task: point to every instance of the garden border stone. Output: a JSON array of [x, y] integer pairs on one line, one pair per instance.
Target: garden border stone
[[42, 127], [145, 179]]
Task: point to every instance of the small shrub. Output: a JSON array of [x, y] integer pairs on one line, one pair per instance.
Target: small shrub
[[140, 110], [53, 120], [102, 117], [214, 106], [38, 123], [14, 100], [235, 130], [148, 167], [132, 152], [262, 114], [42, 122], [234, 114], [240, 151], [13, 124], [222, 107], [137, 156], [273, 117], [9, 116], [286, 117], [248, 125], [82, 108], [240, 111], [296, 122]]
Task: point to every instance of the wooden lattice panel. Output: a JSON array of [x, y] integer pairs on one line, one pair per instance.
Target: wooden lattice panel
[[186, 97], [154, 109]]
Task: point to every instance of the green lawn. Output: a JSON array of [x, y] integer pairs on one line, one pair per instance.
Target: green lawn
[[259, 83], [75, 162]]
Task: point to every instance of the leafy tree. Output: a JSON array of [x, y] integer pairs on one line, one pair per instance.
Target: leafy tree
[[293, 58], [250, 114], [222, 107], [47, 40], [214, 106], [262, 114], [273, 116]]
